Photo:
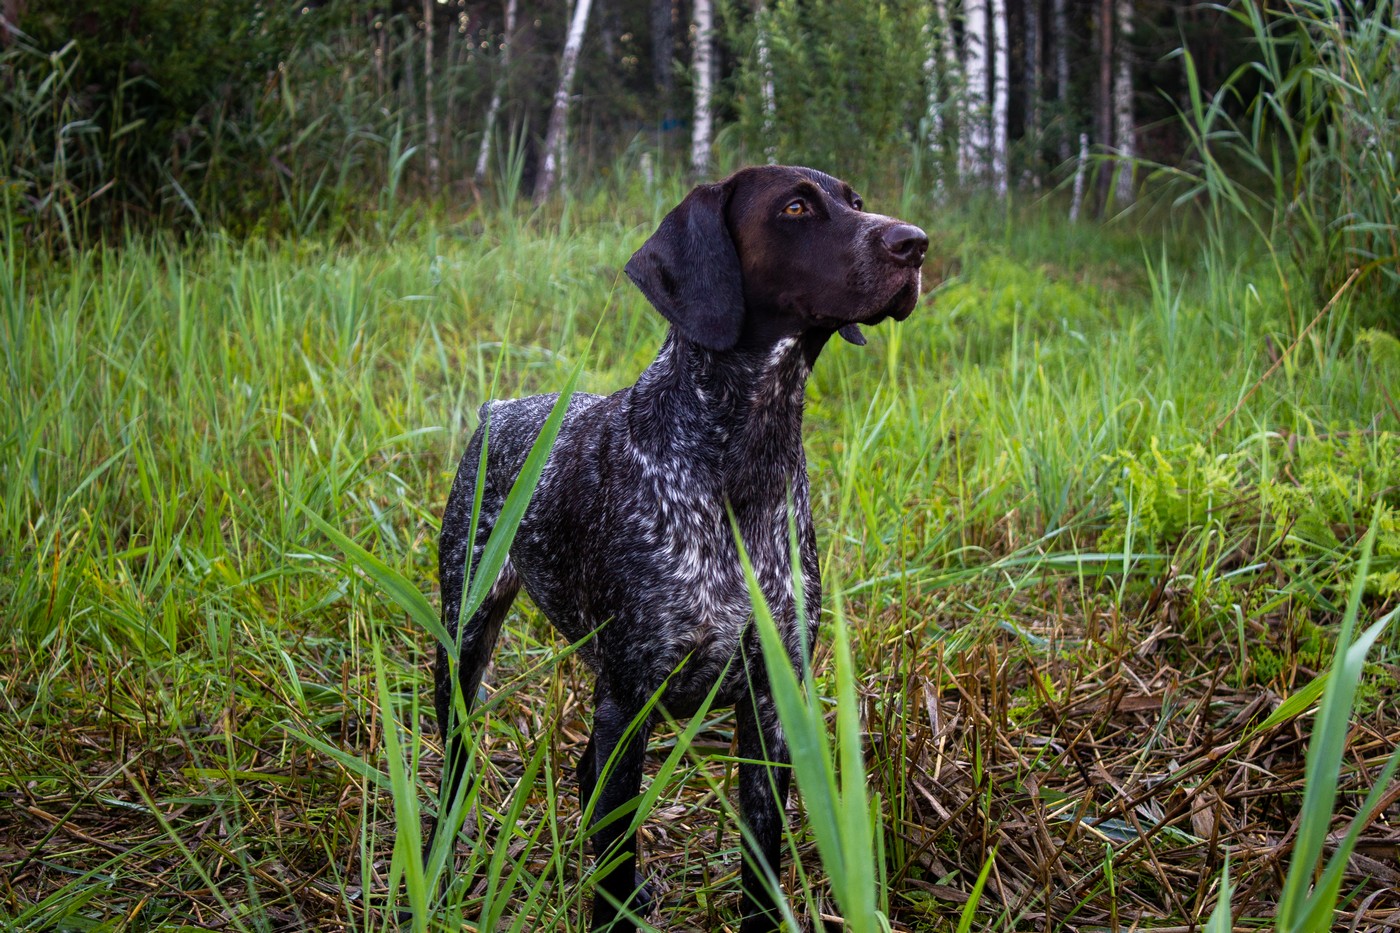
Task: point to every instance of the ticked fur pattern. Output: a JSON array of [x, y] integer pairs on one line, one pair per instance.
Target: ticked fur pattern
[[628, 543]]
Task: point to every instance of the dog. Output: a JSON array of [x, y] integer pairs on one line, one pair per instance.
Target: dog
[[627, 543]]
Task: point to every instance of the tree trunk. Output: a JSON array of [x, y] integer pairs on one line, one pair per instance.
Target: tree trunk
[[1079, 172], [770, 98], [972, 156], [663, 49], [933, 87], [954, 104], [429, 108], [704, 77], [10, 12], [483, 155], [1034, 86], [1001, 93], [1103, 108], [1060, 20], [1123, 105], [559, 113]]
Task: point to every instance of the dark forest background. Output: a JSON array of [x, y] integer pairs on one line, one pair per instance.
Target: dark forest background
[[252, 117]]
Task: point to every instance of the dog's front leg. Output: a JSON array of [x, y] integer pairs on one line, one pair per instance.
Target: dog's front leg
[[615, 759], [763, 790]]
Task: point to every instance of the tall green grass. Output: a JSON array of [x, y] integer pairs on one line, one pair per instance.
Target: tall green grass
[[1311, 161], [1065, 435]]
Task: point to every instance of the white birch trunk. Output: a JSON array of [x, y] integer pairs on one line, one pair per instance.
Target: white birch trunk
[[1080, 171], [766, 90], [1001, 93], [430, 111], [1060, 19], [702, 124], [972, 155], [483, 155], [559, 113], [1123, 128]]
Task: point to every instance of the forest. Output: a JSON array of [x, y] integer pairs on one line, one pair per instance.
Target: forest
[[1109, 527]]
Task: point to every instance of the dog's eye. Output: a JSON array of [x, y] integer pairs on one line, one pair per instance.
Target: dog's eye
[[795, 208], [857, 203]]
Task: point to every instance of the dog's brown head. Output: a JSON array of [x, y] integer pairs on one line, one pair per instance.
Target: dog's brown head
[[777, 251]]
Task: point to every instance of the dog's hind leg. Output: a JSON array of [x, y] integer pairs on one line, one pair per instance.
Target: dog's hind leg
[[476, 641], [463, 539]]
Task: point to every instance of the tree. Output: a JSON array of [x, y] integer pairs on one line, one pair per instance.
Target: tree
[[1060, 28], [430, 111], [1123, 103], [1001, 84], [559, 113], [663, 47], [10, 12], [972, 152], [1103, 108], [483, 154], [704, 78], [1034, 65], [770, 100]]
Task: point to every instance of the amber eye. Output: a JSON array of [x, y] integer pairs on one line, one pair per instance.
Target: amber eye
[[858, 204], [794, 208]]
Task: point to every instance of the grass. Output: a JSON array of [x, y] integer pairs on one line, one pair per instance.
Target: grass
[[1082, 552]]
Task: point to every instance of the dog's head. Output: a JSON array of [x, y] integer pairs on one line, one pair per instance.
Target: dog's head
[[776, 251]]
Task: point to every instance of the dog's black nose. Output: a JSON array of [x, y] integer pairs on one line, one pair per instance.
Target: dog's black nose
[[905, 244]]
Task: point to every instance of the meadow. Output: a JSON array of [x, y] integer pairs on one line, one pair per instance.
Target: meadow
[[1092, 522]]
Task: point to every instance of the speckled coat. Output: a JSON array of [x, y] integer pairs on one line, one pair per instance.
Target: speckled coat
[[628, 539]]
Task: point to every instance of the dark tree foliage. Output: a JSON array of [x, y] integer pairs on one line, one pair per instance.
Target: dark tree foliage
[[264, 115]]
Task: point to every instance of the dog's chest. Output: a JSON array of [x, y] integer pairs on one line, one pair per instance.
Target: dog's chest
[[651, 564]]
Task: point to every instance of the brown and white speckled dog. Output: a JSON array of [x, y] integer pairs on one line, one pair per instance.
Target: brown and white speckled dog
[[628, 536]]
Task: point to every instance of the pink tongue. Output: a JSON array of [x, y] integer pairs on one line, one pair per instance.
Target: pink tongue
[[851, 332]]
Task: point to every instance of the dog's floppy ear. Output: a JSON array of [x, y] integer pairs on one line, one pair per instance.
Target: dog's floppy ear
[[690, 271]]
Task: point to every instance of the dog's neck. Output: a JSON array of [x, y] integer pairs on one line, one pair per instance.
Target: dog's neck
[[749, 411]]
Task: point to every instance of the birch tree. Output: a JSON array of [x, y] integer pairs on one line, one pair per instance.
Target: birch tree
[[559, 113], [766, 89], [1001, 85], [483, 154], [1123, 103], [972, 152], [704, 77]]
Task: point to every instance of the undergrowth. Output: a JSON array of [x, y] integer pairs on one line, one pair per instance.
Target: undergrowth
[[1082, 546]]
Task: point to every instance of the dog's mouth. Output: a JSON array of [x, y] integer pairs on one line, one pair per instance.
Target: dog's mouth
[[899, 307]]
